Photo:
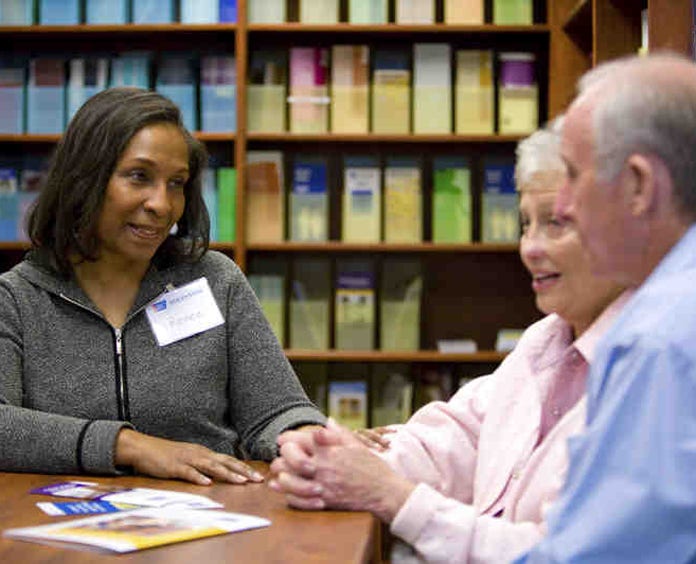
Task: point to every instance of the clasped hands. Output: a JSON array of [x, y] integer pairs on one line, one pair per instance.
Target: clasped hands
[[331, 468]]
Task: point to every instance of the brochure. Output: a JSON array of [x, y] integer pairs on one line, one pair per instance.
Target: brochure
[[128, 531], [81, 507], [140, 497]]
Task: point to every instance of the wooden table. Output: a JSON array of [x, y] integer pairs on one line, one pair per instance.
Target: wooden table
[[294, 536]]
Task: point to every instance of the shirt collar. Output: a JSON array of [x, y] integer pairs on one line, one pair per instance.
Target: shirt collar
[[679, 258], [586, 344]]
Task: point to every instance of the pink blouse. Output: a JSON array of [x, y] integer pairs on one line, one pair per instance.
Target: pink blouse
[[499, 445]]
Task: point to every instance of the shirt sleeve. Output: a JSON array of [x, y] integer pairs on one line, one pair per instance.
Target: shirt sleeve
[[438, 445], [266, 397], [630, 493], [443, 530]]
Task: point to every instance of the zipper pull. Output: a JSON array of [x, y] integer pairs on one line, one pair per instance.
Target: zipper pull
[[119, 346]]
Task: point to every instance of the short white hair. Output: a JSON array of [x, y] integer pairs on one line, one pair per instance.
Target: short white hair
[[639, 107], [539, 153]]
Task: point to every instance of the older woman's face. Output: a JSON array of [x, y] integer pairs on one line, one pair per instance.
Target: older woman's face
[[552, 252], [145, 195]]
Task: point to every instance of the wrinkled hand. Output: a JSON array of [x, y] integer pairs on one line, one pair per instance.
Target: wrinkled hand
[[297, 448], [194, 463], [375, 438], [333, 469]]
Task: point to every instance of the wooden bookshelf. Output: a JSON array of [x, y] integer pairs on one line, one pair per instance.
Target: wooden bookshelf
[[380, 138], [29, 138], [578, 25], [470, 290], [13, 246], [111, 29], [341, 247], [397, 29], [394, 356]]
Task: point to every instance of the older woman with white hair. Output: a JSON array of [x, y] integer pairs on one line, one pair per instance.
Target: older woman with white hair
[[470, 479]]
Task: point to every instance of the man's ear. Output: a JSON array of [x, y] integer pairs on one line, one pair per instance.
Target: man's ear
[[641, 175]]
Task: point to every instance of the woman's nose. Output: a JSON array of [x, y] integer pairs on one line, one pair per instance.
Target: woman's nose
[[532, 244], [158, 200]]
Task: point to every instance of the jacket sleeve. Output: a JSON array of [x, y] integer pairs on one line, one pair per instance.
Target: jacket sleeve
[[266, 397], [443, 530], [438, 445], [36, 441]]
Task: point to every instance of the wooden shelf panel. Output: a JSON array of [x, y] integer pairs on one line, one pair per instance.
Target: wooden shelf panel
[[439, 28], [578, 25], [14, 246], [380, 138], [29, 138], [223, 247], [223, 137], [425, 247], [670, 26], [393, 356]]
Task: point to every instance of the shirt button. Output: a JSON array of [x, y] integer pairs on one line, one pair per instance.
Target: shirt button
[[556, 412], [515, 475]]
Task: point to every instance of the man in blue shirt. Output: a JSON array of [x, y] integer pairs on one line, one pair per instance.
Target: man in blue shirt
[[629, 143]]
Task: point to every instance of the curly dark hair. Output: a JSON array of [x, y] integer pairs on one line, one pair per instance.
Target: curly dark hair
[[62, 224]]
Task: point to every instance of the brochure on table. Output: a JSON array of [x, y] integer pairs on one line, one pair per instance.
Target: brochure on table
[[128, 531]]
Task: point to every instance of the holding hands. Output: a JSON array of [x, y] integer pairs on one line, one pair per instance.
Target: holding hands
[[191, 462], [332, 469]]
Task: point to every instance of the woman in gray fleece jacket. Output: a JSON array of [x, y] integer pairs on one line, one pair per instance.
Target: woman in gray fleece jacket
[[124, 343]]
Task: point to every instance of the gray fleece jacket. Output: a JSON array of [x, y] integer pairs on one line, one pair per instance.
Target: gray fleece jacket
[[64, 395]]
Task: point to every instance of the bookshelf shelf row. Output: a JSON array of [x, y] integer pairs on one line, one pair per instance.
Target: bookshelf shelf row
[[380, 138], [337, 246], [292, 27], [394, 356], [438, 28], [425, 247], [49, 138], [230, 137], [129, 28]]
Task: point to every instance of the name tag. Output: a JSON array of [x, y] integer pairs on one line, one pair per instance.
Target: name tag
[[182, 312]]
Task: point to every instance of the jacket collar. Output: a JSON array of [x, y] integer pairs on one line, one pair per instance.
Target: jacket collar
[[37, 272]]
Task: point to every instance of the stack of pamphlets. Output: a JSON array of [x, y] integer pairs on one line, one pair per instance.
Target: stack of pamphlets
[[130, 518]]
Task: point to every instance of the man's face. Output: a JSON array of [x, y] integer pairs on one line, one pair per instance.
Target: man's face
[[595, 207]]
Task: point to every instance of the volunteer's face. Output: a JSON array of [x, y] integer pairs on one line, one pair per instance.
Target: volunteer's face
[[145, 195]]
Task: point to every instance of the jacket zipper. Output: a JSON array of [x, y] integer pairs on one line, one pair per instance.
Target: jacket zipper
[[121, 399], [123, 414]]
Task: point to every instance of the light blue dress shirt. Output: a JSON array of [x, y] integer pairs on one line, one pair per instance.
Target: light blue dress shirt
[[630, 493]]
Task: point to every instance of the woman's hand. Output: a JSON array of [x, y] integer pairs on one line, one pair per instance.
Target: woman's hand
[[194, 463], [375, 438], [337, 471]]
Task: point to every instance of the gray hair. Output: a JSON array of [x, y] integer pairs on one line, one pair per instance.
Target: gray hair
[[540, 152], [643, 110]]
